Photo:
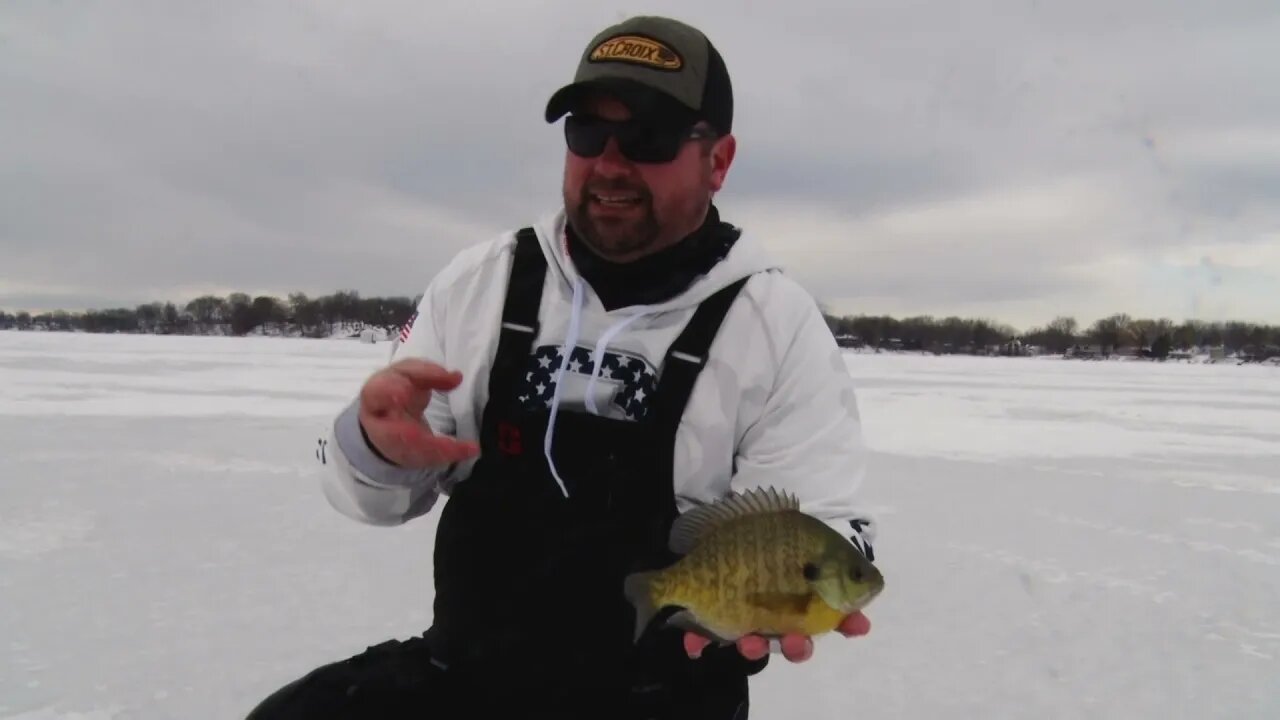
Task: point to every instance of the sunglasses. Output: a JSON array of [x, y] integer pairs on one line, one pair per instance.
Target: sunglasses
[[642, 142]]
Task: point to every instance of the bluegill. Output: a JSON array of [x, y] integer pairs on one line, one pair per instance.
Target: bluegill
[[754, 563]]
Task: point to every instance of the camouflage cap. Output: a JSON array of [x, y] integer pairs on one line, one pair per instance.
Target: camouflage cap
[[648, 62]]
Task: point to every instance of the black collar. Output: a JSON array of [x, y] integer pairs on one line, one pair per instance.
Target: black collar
[[658, 277]]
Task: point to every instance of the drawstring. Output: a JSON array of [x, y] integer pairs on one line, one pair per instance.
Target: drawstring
[[570, 342], [598, 356]]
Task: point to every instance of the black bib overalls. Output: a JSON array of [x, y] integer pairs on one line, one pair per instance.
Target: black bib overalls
[[530, 620], [529, 604]]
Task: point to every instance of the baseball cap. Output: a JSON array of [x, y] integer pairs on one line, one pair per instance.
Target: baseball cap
[[656, 66]]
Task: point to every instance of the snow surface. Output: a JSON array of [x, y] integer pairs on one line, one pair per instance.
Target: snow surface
[[1061, 539]]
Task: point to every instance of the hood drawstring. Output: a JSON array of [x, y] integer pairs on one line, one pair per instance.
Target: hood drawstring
[[597, 357], [570, 342]]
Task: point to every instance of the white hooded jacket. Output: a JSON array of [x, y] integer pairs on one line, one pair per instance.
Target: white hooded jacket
[[774, 404]]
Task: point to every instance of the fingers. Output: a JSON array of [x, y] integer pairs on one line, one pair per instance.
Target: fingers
[[797, 648], [694, 644], [794, 647], [386, 394], [427, 375], [406, 386], [410, 443], [404, 389], [392, 403], [414, 445], [753, 647], [855, 625]]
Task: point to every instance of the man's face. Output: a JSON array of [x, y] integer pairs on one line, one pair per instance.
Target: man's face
[[625, 209]]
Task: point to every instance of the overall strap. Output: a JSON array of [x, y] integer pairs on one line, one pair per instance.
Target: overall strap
[[519, 315], [653, 503], [685, 359]]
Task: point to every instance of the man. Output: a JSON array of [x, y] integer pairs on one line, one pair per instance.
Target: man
[[571, 387]]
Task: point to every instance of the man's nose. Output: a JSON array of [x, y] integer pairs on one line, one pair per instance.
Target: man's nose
[[612, 162]]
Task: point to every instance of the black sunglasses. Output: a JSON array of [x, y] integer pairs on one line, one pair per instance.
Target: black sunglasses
[[642, 142]]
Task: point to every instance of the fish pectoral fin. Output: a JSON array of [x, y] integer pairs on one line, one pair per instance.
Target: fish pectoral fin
[[780, 601], [638, 590]]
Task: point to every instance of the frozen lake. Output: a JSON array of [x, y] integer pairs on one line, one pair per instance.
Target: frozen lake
[[1060, 539]]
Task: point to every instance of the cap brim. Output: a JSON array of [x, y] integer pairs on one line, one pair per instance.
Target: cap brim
[[640, 99]]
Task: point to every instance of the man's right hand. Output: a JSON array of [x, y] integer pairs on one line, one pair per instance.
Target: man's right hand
[[392, 403]]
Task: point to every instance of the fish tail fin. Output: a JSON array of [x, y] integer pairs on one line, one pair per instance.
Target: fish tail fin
[[638, 589]]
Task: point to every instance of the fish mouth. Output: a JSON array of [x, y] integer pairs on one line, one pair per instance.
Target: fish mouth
[[849, 598], [862, 600]]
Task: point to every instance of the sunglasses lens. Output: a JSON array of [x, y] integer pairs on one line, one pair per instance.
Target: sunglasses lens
[[644, 143], [649, 144], [585, 137]]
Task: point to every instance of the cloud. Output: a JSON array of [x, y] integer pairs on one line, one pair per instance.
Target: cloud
[[1017, 160]]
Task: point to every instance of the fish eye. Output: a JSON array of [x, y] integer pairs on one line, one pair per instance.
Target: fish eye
[[810, 571], [855, 572]]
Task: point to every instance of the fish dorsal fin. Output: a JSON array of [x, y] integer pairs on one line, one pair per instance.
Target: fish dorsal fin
[[689, 529]]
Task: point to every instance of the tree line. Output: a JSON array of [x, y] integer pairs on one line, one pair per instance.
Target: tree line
[[1114, 334], [301, 315], [234, 314]]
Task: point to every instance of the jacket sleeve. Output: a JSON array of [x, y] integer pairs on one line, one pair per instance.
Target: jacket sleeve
[[808, 439], [360, 483]]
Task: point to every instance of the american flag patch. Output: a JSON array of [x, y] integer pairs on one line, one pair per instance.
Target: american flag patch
[[404, 329]]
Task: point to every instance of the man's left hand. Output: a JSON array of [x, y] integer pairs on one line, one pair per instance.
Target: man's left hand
[[796, 648]]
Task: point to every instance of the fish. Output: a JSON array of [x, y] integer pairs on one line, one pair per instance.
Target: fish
[[754, 563]]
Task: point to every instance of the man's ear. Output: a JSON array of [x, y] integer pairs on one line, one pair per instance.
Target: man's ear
[[722, 154]]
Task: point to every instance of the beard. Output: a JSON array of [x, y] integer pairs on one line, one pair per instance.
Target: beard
[[618, 233]]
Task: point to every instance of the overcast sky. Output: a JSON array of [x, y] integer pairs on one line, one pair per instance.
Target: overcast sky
[[1015, 160]]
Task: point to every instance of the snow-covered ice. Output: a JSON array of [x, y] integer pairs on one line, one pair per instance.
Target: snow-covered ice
[[1060, 539]]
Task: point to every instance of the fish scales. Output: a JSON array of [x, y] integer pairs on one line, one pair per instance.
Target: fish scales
[[753, 559], [755, 562]]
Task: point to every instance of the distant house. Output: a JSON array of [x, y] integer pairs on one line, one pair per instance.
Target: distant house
[[1085, 352]]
